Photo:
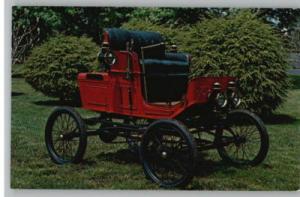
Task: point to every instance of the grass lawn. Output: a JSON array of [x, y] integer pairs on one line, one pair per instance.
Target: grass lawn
[[112, 166]]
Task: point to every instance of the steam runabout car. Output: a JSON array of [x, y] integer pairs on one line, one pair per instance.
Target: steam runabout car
[[144, 95]]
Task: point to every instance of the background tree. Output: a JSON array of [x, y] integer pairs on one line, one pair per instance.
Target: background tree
[[295, 39], [286, 18], [175, 17], [90, 21], [33, 25], [30, 26]]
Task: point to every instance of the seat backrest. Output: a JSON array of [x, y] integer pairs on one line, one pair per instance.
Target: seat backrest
[[118, 38], [166, 79]]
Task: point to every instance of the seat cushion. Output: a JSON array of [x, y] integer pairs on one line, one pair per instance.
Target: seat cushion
[[166, 88], [184, 57]]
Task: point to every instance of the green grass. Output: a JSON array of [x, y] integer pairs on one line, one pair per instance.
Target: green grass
[[295, 79], [110, 166], [17, 70]]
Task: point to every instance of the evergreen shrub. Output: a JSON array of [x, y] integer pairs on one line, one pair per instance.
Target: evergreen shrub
[[52, 67]]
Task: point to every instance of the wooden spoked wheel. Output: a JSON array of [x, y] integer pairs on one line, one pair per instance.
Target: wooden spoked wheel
[[65, 136], [168, 153], [244, 139]]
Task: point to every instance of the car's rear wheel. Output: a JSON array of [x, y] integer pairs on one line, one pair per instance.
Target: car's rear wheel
[[243, 140]]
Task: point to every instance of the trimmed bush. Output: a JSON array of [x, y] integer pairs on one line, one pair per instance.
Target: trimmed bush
[[239, 45], [52, 67], [247, 48]]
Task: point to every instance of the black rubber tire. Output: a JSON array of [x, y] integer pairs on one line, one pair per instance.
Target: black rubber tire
[[192, 153], [264, 138], [71, 113]]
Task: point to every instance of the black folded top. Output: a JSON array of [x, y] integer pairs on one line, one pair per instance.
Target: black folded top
[[119, 37]]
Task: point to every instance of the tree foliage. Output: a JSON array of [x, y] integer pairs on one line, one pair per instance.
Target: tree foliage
[[33, 25], [295, 40], [239, 45], [286, 18], [175, 17], [90, 21], [52, 67], [30, 26]]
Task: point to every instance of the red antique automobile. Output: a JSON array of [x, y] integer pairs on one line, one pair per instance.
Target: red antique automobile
[[143, 95]]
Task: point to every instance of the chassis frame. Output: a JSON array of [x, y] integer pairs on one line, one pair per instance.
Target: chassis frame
[[139, 137]]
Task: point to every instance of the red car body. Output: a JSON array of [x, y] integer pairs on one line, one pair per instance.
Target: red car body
[[111, 92]]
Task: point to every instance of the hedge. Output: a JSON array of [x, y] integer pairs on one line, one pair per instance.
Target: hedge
[[52, 67]]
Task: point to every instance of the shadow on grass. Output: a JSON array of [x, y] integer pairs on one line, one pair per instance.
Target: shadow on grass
[[279, 119], [18, 75], [122, 156], [205, 167], [57, 103], [295, 79], [17, 93]]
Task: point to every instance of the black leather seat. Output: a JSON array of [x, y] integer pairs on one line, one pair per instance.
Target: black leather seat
[[166, 79], [166, 73]]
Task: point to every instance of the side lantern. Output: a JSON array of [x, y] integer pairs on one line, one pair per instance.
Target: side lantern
[[220, 98], [234, 95]]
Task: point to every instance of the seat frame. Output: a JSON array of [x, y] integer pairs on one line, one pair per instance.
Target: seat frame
[[144, 69]]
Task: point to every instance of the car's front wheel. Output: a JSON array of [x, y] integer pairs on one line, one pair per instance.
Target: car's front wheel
[[65, 136]]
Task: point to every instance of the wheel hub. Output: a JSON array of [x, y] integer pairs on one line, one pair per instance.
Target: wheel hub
[[164, 154], [239, 141]]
